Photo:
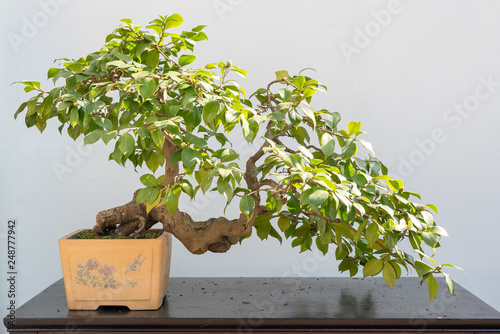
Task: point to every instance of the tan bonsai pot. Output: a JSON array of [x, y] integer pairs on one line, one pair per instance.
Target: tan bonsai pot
[[115, 272]]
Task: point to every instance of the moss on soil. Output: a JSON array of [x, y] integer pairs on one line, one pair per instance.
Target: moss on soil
[[89, 234]]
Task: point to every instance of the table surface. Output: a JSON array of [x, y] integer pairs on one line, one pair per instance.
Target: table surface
[[263, 304]]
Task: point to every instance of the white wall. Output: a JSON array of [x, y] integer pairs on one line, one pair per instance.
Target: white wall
[[402, 83]]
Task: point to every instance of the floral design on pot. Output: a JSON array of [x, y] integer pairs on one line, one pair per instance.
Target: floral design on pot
[[95, 275], [136, 265]]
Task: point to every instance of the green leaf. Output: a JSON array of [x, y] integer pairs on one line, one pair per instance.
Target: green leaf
[[321, 246], [343, 229], [387, 209], [93, 137], [172, 203], [199, 142], [327, 237], [141, 196], [395, 185], [75, 67], [247, 205], [263, 227], [153, 58], [433, 287], [429, 238], [449, 283], [389, 274], [415, 240], [327, 144], [206, 183], [175, 158], [225, 189], [318, 197], [106, 138], [103, 123], [52, 72], [425, 255], [305, 151], [432, 207], [294, 117], [147, 87], [149, 180], [186, 59], [368, 146], [282, 74], [284, 223], [439, 230], [284, 106], [451, 265], [74, 116], [187, 188], [297, 242], [152, 195], [126, 144], [371, 234], [353, 127], [173, 21], [224, 172], [304, 197], [20, 109], [117, 156], [310, 114], [359, 208], [139, 75], [275, 234], [210, 111], [360, 231], [373, 267], [335, 119], [417, 195], [156, 28], [277, 116], [228, 154], [341, 253], [349, 149], [299, 82], [422, 268], [190, 157], [158, 138], [45, 108], [428, 218], [272, 204], [150, 206], [125, 58], [42, 124], [396, 266], [62, 74], [241, 71], [250, 128], [118, 64]]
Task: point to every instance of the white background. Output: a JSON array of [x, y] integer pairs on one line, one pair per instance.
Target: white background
[[398, 67]]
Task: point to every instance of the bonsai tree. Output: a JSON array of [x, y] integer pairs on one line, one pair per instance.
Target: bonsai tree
[[305, 181]]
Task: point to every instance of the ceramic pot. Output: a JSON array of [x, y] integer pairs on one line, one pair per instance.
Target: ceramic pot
[[115, 272]]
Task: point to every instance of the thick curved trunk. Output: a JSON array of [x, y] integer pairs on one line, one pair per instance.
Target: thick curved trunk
[[215, 234]]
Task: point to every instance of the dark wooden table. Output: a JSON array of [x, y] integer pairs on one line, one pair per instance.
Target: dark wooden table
[[296, 305]]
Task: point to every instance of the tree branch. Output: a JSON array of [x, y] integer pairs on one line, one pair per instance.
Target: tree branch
[[181, 70]]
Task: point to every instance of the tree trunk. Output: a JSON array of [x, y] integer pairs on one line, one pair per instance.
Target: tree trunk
[[215, 234]]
